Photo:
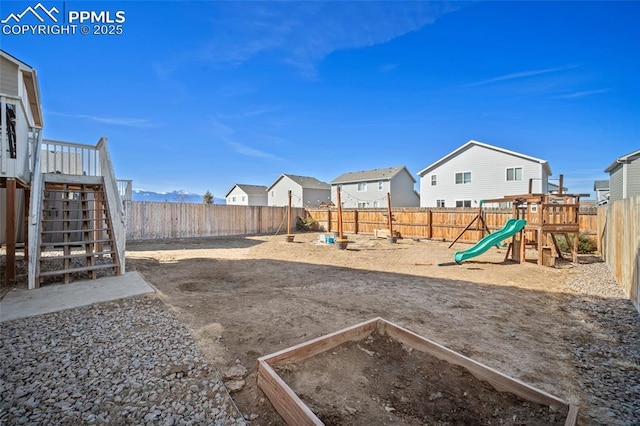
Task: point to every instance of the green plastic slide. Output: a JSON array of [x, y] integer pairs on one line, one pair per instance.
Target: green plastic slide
[[509, 229]]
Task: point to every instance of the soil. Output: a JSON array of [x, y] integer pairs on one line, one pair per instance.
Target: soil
[[386, 383], [244, 298]]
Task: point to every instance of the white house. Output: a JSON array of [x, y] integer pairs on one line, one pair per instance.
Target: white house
[[479, 171], [369, 188], [305, 191], [601, 188], [247, 195], [624, 176]]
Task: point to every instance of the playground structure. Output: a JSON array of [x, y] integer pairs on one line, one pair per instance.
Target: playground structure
[[546, 217]]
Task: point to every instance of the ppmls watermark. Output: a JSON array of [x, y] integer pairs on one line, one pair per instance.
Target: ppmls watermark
[[40, 20]]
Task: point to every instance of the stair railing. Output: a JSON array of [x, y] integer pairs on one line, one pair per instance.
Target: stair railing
[[35, 215], [114, 203]]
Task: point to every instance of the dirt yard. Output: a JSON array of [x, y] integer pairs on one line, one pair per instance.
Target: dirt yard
[[248, 297]]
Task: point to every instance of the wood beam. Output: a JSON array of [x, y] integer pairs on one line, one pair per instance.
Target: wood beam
[[10, 270]]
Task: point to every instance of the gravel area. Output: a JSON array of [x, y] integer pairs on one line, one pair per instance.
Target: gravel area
[[606, 350], [125, 362]]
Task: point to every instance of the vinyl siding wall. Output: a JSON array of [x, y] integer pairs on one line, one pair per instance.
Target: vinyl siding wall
[[488, 177], [402, 191], [615, 185], [625, 174], [313, 197], [633, 178], [238, 194], [350, 195], [281, 197], [9, 81]]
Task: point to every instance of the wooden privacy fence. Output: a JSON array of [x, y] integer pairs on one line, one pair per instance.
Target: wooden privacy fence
[[619, 242], [149, 220], [430, 223]]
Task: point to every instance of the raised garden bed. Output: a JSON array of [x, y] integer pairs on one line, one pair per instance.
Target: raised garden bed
[[379, 373]]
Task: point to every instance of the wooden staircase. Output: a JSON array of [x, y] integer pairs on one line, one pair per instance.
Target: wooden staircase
[[76, 238]]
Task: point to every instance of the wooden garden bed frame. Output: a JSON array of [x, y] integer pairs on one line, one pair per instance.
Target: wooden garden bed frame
[[295, 412]]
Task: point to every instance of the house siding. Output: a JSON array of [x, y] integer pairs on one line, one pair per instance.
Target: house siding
[[281, 197], [238, 194], [9, 81], [615, 184], [633, 178], [488, 177], [399, 185], [625, 174], [402, 191], [351, 197]]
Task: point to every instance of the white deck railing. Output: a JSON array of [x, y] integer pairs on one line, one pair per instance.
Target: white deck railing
[[69, 158]]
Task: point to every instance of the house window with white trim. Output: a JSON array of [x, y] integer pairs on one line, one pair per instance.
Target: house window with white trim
[[362, 205], [362, 186], [376, 203], [439, 203], [273, 193], [233, 199], [380, 185], [514, 173], [463, 203], [243, 198], [463, 178], [434, 180]]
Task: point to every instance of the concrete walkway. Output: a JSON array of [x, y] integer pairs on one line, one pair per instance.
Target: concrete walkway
[[58, 297]]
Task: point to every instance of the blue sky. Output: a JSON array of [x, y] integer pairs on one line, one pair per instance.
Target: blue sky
[[201, 95]]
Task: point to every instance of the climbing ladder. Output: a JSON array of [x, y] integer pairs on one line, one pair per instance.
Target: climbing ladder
[[77, 233]]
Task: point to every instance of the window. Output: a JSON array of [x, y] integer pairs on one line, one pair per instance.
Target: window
[[273, 193], [362, 205], [514, 173], [434, 180], [10, 117], [362, 186], [233, 199], [463, 203], [439, 203], [243, 198], [376, 203], [463, 177], [380, 185]]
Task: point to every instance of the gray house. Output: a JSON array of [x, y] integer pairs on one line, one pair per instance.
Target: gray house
[[369, 188], [247, 195], [479, 171], [624, 176], [305, 191], [601, 188]]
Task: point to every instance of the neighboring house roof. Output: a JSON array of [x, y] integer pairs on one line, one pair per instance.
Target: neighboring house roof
[[306, 182], [601, 185], [250, 189], [370, 175], [553, 187], [467, 145], [624, 159], [31, 84]]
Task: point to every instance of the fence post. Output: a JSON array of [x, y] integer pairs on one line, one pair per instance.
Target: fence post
[[355, 219], [429, 223]]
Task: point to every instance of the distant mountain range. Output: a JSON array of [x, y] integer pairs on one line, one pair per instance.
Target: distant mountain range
[[178, 196]]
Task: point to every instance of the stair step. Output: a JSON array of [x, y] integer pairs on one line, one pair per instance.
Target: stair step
[[77, 256], [74, 220], [74, 243], [80, 269], [73, 210], [71, 231]]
